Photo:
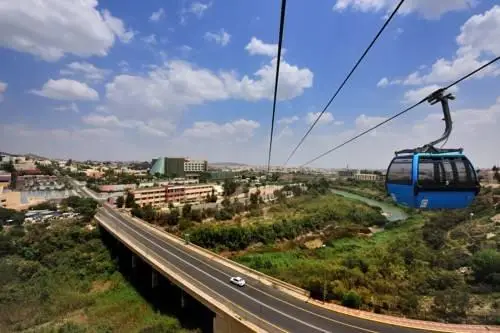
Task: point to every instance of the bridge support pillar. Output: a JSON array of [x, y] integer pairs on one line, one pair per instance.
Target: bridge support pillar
[[154, 279], [227, 324], [134, 261], [183, 300]]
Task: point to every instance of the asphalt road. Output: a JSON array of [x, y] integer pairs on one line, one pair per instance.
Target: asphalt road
[[267, 303]]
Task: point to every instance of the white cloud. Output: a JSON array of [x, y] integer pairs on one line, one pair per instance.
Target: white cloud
[[338, 123], [168, 89], [293, 82], [171, 88], [52, 28], [288, 120], [199, 8], [69, 90], [124, 66], [326, 118], [364, 122], [256, 46], [151, 39], [116, 25], [479, 38], [416, 95], [3, 88], [70, 107], [185, 49], [158, 15], [87, 70], [241, 129], [222, 37], [383, 82], [156, 127], [427, 8]]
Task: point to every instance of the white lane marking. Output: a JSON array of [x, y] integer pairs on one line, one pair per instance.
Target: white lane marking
[[220, 281], [260, 291], [160, 259]]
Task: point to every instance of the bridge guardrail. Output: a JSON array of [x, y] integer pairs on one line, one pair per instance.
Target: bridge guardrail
[[178, 275], [259, 276]]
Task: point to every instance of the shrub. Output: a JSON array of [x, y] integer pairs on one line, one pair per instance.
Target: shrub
[[352, 300], [486, 263]]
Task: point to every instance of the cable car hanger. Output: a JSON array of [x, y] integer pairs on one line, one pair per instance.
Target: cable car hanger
[[435, 97]]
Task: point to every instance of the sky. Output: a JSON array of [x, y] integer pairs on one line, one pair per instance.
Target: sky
[[133, 80]]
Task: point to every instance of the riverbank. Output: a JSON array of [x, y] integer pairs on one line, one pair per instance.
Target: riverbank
[[391, 212]]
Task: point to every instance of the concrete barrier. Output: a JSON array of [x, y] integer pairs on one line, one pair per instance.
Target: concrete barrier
[[230, 317], [256, 275]]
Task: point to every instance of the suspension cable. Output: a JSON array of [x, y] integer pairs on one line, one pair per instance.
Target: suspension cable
[[345, 80], [278, 61], [401, 113]]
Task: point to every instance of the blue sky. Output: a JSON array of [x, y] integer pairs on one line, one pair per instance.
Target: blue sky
[[133, 80]]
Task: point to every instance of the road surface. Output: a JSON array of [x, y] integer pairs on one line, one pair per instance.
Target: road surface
[[269, 304]]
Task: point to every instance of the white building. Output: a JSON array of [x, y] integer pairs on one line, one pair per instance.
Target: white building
[[195, 166]]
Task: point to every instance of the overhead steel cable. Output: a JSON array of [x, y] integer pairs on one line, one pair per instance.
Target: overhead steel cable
[[278, 61], [389, 19], [402, 112]]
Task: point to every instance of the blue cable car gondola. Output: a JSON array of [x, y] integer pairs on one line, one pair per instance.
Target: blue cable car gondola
[[433, 178]]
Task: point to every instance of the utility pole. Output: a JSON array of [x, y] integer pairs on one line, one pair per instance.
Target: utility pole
[[324, 288]]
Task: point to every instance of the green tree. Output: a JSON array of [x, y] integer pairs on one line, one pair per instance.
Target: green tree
[[196, 215], [173, 217], [485, 264], [229, 187], [212, 198], [137, 212], [130, 200], [186, 211], [45, 205], [205, 177], [149, 213], [120, 201], [9, 167], [254, 199]]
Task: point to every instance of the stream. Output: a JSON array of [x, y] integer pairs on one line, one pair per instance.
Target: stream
[[391, 212]]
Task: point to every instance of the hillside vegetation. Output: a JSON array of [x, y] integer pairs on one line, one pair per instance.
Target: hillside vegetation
[[59, 277], [442, 266]]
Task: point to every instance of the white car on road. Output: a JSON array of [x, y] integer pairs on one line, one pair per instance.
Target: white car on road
[[237, 281]]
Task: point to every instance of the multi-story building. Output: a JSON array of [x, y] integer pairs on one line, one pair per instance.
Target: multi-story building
[[347, 173], [175, 193], [197, 192], [25, 182], [177, 166], [367, 177], [155, 196], [159, 196], [5, 179], [195, 166]]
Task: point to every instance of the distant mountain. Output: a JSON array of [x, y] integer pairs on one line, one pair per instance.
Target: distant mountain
[[36, 157], [29, 155], [233, 164]]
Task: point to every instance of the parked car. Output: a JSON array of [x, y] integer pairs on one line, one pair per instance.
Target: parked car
[[237, 281]]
